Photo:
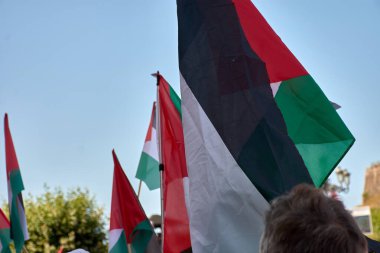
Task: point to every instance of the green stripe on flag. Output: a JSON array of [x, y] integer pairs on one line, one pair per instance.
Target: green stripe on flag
[[148, 171], [317, 156], [5, 240], [121, 245], [17, 185], [316, 129], [141, 236], [17, 232], [175, 100]]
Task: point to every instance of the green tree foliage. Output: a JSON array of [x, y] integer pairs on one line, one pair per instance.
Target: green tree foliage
[[375, 214], [72, 220]]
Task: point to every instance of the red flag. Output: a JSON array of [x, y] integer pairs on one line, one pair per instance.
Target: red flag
[[176, 221]]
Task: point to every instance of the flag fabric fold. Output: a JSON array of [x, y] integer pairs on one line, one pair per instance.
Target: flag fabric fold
[[5, 236], [255, 122], [128, 222], [19, 229], [148, 168], [319, 134], [175, 176]]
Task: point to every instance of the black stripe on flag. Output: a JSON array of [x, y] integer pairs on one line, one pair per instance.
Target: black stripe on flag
[[231, 84]]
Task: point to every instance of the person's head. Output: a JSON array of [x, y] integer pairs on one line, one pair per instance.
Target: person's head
[[307, 221]]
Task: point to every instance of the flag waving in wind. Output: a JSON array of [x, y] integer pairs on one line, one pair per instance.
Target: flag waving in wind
[[5, 237], [176, 180], [19, 229], [129, 224], [255, 122], [147, 170]]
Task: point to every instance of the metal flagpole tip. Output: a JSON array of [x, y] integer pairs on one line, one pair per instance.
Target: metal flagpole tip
[[155, 74]]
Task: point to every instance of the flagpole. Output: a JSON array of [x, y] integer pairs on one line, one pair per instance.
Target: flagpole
[[139, 190], [161, 166]]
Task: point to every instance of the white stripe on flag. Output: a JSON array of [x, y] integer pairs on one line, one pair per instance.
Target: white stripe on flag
[[275, 87], [21, 215], [151, 147], [114, 236], [226, 210], [186, 191]]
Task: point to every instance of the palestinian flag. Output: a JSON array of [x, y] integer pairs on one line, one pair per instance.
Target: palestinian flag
[[148, 169], [255, 122], [176, 181], [129, 224], [5, 237], [19, 229]]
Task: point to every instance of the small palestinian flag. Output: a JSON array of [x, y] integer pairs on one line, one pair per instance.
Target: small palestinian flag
[[5, 236], [148, 169], [255, 122], [19, 229], [129, 224]]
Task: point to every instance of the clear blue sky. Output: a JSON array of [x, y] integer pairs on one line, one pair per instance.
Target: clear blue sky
[[75, 80]]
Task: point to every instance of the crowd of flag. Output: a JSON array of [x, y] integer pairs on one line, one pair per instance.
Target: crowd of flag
[[252, 124]]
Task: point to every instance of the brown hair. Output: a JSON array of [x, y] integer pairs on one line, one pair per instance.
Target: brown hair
[[307, 221]]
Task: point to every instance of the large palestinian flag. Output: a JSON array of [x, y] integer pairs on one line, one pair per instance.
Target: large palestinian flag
[[129, 224], [19, 229], [148, 168], [5, 237], [176, 180], [255, 122]]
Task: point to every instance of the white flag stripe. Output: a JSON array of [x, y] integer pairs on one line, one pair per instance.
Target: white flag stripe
[[21, 214], [275, 87], [226, 210], [186, 190], [114, 236], [151, 147]]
